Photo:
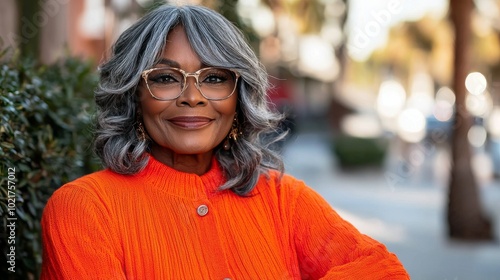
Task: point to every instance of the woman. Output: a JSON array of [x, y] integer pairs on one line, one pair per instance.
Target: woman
[[191, 190]]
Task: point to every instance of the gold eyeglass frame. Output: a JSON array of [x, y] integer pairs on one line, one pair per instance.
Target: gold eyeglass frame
[[195, 75]]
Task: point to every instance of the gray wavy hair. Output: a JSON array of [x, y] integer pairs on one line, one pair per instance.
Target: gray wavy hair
[[218, 43]]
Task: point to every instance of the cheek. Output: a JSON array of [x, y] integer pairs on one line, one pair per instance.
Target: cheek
[[228, 110], [150, 107], [226, 125], [150, 112], [228, 107], [142, 93]]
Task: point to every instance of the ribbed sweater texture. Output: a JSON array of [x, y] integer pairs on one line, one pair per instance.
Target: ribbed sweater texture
[[166, 224]]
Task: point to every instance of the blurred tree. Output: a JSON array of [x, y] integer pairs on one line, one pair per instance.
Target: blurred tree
[[466, 219], [491, 12], [341, 51], [228, 8], [28, 28]]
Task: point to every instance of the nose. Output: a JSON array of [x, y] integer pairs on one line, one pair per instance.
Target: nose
[[191, 96]]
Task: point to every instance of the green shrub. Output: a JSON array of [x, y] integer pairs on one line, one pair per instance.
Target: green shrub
[[358, 152], [46, 113]]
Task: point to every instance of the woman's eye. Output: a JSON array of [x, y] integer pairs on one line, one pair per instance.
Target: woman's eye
[[214, 79], [215, 76], [164, 79]]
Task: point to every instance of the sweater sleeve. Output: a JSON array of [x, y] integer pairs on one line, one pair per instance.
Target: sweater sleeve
[[78, 239], [329, 247]]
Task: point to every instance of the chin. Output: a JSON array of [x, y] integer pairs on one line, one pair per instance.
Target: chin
[[193, 150]]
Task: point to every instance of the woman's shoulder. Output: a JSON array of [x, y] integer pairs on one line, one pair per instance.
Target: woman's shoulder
[[93, 186], [104, 177], [283, 180], [289, 188], [283, 184], [85, 204]]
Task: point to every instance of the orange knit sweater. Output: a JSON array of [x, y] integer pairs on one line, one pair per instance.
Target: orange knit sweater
[[165, 224]]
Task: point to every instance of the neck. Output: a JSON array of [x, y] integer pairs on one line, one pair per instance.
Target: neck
[[198, 164]]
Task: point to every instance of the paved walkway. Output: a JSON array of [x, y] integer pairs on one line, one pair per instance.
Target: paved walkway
[[408, 216]]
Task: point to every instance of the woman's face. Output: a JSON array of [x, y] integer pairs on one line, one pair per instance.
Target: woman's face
[[190, 124]]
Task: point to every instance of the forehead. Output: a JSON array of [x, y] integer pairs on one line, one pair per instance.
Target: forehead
[[178, 50]]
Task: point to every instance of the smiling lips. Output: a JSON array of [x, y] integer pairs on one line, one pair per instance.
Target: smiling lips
[[190, 122]]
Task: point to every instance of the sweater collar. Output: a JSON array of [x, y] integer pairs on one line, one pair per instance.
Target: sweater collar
[[182, 183]]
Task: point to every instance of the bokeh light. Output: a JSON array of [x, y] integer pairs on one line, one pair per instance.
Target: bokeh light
[[477, 135], [412, 125], [447, 95], [316, 58], [422, 93], [444, 104], [478, 105], [391, 99], [361, 125], [476, 83]]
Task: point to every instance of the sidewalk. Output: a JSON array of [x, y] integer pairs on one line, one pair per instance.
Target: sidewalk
[[408, 218]]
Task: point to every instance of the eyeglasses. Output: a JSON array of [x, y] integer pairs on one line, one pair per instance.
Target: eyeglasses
[[168, 83]]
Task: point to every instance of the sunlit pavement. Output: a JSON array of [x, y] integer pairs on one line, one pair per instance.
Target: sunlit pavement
[[407, 213]]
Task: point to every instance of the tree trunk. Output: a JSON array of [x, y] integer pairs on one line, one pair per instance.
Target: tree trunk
[[30, 21], [466, 219]]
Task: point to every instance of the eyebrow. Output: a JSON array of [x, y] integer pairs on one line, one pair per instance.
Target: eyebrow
[[175, 64], [169, 62]]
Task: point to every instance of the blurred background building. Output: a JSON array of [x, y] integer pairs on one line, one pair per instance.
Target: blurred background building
[[377, 78]]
